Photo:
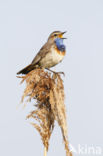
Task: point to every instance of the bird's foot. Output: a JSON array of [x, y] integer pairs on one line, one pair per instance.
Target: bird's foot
[[55, 72], [60, 73]]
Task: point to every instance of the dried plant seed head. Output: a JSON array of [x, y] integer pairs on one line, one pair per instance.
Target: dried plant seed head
[[47, 91]]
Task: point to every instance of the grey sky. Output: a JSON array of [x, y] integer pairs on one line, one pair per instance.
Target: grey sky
[[24, 28]]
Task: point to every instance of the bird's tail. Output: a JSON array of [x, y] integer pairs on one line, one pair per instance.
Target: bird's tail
[[27, 69]]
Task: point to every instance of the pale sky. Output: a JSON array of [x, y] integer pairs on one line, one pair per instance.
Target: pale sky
[[24, 27]]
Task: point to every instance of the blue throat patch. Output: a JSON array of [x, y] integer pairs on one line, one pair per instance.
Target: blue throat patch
[[59, 44]]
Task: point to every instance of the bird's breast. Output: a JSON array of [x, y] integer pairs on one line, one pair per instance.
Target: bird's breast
[[52, 58]]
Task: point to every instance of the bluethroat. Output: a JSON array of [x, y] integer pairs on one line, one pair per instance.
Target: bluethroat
[[49, 55]]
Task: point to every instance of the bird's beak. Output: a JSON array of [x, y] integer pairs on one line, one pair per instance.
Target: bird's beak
[[64, 38], [63, 34]]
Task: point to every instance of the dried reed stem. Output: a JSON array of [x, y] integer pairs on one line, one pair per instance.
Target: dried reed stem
[[45, 151], [47, 91]]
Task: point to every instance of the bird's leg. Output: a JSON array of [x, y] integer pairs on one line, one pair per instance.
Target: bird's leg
[[55, 72]]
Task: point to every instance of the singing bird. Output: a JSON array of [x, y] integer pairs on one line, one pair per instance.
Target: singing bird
[[49, 55]]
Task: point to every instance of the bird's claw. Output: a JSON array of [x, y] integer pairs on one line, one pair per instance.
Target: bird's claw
[[61, 73], [56, 72]]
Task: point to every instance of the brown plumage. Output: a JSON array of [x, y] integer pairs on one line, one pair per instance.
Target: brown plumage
[[27, 69], [36, 61], [48, 55]]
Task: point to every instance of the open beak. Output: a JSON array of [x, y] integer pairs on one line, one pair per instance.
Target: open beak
[[63, 34]]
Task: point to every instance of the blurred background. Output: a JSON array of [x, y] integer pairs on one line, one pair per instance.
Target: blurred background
[[24, 28]]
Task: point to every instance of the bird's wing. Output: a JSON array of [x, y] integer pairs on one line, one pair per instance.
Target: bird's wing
[[43, 51]]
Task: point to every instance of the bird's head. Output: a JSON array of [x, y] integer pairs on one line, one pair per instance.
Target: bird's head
[[56, 35]]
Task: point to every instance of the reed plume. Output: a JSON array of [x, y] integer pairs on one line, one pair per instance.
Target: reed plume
[[47, 91]]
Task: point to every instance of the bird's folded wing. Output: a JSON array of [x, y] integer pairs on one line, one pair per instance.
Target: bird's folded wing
[[43, 51]]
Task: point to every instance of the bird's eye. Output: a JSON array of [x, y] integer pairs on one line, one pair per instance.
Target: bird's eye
[[55, 35]]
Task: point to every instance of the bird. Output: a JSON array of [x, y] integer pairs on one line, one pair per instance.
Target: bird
[[52, 53]]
